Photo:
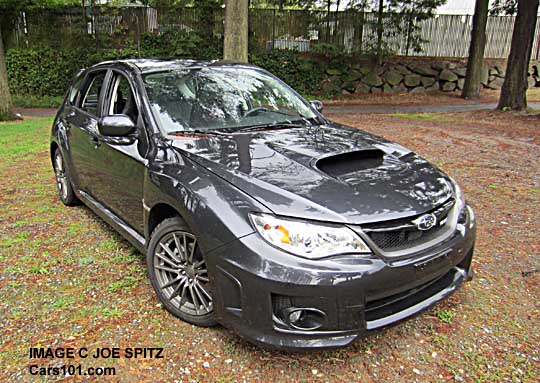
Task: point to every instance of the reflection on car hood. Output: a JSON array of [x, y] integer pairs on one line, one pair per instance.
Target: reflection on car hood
[[280, 169]]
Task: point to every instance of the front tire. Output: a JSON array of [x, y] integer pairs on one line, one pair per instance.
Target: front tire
[[63, 182], [178, 273]]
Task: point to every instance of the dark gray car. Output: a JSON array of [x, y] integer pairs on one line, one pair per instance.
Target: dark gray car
[[253, 209]]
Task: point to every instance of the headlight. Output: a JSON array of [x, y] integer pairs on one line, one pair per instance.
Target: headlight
[[458, 194], [307, 239], [460, 203]]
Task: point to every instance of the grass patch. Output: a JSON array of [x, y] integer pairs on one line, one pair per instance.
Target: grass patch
[[436, 117], [64, 302], [86, 260], [125, 283], [113, 312], [19, 139], [446, 316]]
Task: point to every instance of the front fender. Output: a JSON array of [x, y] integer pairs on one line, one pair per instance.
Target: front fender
[[215, 210]]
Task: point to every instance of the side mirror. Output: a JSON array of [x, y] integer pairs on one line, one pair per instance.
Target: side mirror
[[318, 105], [118, 125]]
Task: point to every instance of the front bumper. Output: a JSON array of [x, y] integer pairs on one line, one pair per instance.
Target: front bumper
[[256, 286]]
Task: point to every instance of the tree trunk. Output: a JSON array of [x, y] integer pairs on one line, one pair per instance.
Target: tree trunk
[[6, 107], [336, 23], [235, 46], [380, 28], [471, 89], [328, 4], [514, 89]]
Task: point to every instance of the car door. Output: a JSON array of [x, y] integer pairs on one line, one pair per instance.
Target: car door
[[120, 161], [81, 120]]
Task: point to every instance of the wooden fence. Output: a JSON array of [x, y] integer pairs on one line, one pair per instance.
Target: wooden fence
[[112, 27]]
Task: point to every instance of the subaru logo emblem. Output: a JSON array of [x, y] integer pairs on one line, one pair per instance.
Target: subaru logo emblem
[[425, 222]]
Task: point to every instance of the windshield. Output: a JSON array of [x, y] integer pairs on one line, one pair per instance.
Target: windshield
[[222, 98]]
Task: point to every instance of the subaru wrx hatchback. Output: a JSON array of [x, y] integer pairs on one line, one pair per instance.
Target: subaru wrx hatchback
[[253, 209]]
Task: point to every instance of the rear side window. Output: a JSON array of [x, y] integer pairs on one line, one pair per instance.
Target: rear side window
[[90, 102], [74, 93]]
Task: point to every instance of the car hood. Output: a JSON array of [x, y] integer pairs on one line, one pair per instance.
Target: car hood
[[326, 172]]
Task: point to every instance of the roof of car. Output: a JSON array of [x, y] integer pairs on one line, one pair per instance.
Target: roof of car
[[153, 65]]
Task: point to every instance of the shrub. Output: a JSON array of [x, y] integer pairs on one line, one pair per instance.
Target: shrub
[[42, 71], [297, 70], [38, 73]]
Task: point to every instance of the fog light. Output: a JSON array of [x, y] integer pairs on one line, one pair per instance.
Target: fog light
[[305, 319], [295, 316]]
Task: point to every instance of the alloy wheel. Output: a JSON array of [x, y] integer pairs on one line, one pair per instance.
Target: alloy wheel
[[61, 177], [181, 273]]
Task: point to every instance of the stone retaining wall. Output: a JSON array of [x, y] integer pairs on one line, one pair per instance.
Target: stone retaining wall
[[414, 76]]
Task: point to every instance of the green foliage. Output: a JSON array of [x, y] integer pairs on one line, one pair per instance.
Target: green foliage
[[330, 50], [36, 101], [175, 43], [20, 4], [42, 71], [446, 316], [302, 73], [41, 76], [503, 7], [400, 18], [37, 72]]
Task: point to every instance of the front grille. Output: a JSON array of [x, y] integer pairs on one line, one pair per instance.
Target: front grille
[[402, 234]]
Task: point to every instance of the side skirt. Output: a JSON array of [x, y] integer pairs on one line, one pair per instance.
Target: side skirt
[[115, 221]]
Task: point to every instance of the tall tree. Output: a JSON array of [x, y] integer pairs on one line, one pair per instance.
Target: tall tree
[[380, 29], [514, 89], [471, 89], [503, 7], [235, 44], [400, 17], [6, 107]]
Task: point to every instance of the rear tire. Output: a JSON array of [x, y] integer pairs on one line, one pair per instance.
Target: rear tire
[[63, 181], [178, 273]]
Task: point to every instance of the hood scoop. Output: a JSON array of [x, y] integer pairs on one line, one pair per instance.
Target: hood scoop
[[346, 163], [361, 165]]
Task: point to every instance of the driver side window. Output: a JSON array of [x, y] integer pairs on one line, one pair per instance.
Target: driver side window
[[123, 99]]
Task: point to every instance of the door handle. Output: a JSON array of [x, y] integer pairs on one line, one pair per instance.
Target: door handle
[[95, 140]]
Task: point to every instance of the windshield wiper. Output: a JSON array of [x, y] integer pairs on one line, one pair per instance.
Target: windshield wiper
[[273, 125], [199, 132]]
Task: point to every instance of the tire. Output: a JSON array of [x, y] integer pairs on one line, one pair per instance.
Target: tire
[[63, 181], [180, 278]]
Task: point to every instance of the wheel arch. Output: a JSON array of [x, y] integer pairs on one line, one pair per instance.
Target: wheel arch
[[53, 147], [158, 213]]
